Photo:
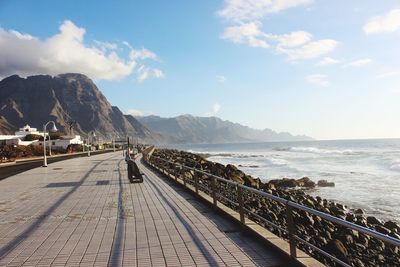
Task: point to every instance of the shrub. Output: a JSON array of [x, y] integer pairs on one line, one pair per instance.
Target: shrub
[[31, 137]]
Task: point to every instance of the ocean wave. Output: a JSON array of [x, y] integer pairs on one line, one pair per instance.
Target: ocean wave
[[226, 154], [316, 150], [277, 162], [395, 166]]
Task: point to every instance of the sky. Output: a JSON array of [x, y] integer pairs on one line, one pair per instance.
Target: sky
[[327, 69]]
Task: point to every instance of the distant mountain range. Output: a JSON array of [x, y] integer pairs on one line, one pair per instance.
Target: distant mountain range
[[74, 98], [191, 129]]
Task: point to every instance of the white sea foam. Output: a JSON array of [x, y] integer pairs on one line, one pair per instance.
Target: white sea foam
[[317, 150], [277, 162], [395, 166]]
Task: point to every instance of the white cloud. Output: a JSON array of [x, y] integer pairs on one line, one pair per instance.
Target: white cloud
[[214, 109], [247, 10], [296, 45], [22, 36], [142, 54], [220, 78], [309, 50], [63, 52], [389, 22], [388, 74], [318, 79], [248, 33], [134, 112], [292, 39], [104, 46], [358, 63], [328, 61], [145, 73]]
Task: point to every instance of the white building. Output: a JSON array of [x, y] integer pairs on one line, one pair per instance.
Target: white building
[[19, 136], [24, 131], [63, 143]]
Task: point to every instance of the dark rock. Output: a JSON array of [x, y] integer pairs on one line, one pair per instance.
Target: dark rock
[[391, 225], [374, 221], [382, 229], [325, 183], [358, 263], [285, 182], [359, 212], [305, 182], [337, 248]]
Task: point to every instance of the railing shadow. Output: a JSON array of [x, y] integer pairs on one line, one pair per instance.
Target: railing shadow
[[207, 255], [231, 230]]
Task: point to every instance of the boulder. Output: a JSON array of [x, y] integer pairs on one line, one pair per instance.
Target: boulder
[[374, 221], [337, 248], [305, 182], [391, 225], [325, 183], [284, 182], [252, 182]]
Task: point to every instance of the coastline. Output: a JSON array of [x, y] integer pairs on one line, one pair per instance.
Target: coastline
[[365, 171], [320, 233]]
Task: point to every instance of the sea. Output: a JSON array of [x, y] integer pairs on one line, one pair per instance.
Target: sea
[[366, 173]]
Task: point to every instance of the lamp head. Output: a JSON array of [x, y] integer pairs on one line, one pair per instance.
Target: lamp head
[[54, 129], [94, 134]]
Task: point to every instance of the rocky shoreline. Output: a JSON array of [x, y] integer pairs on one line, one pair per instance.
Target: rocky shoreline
[[354, 248]]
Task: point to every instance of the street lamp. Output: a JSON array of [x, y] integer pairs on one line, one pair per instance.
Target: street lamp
[[93, 135], [54, 129]]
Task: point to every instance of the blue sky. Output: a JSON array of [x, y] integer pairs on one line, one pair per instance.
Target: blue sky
[[328, 69]]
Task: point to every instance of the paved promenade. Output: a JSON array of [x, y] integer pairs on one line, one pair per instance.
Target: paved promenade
[[84, 212]]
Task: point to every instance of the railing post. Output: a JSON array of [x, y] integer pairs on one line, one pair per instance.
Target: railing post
[[241, 203], [184, 179], [214, 190], [196, 183], [291, 230]]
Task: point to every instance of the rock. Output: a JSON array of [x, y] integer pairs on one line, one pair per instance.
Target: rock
[[325, 183], [359, 212], [358, 263], [374, 221], [252, 182], [395, 235], [305, 182], [337, 248], [382, 229], [391, 225], [284, 182]]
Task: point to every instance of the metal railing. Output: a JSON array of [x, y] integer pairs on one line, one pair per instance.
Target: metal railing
[[289, 206]]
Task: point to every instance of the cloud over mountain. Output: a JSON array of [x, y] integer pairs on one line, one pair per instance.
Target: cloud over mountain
[[67, 51]]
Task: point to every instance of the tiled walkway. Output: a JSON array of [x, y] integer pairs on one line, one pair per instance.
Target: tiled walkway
[[84, 212]]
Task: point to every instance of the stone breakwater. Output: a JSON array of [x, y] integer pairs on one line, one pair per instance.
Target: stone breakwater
[[350, 246]]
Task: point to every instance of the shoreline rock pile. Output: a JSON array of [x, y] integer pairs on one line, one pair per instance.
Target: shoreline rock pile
[[350, 246]]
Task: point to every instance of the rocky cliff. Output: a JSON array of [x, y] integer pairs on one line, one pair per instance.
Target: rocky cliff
[[65, 98]]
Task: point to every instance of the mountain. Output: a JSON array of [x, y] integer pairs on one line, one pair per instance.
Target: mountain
[[191, 129], [64, 98]]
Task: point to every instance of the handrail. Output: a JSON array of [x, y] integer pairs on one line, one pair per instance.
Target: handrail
[[289, 204]]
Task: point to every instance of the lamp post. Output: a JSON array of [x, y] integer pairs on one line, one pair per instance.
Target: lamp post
[[54, 129], [93, 135]]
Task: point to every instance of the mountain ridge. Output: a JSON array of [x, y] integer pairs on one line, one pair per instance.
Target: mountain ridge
[[73, 97], [187, 128]]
